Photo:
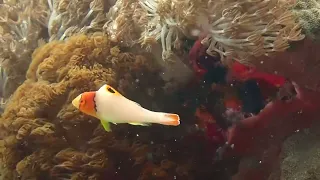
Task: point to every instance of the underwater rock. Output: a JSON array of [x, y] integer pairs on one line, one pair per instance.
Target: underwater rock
[[299, 64], [301, 155], [260, 137]]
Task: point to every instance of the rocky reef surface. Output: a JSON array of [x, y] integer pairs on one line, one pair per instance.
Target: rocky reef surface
[[301, 155]]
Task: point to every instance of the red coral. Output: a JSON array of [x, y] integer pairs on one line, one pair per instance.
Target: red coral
[[266, 131], [260, 137], [242, 72], [268, 83], [213, 132], [195, 52], [277, 119]]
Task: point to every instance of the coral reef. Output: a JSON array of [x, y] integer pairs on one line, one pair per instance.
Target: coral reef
[[21, 25], [234, 117], [258, 138], [70, 17], [249, 29], [308, 13], [43, 133], [162, 23], [44, 137], [25, 25], [123, 22], [236, 30]]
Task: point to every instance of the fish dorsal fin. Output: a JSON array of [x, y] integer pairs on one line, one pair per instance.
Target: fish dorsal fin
[[110, 90]]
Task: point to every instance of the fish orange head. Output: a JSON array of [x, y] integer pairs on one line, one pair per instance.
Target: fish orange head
[[85, 103]]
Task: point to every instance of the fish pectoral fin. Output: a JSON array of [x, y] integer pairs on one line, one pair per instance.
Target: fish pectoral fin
[[106, 125], [140, 124]]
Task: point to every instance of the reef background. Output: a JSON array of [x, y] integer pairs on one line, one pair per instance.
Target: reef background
[[51, 51]]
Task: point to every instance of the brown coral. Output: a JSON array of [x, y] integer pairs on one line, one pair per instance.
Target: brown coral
[[44, 131], [44, 137]]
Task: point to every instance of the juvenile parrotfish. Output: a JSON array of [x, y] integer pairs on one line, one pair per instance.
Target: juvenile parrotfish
[[109, 106]]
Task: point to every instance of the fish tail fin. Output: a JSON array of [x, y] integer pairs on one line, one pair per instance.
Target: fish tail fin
[[169, 119]]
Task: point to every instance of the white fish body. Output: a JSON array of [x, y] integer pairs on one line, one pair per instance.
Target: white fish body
[[118, 109]]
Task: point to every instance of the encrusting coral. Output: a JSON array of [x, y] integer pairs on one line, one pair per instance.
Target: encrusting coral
[[308, 13]]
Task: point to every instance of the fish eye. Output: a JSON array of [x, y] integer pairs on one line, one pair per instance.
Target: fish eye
[[82, 101], [111, 90]]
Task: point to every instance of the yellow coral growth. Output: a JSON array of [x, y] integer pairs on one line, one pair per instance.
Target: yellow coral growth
[[44, 135], [37, 58]]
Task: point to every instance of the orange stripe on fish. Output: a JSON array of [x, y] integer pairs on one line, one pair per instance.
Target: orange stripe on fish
[[86, 103]]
